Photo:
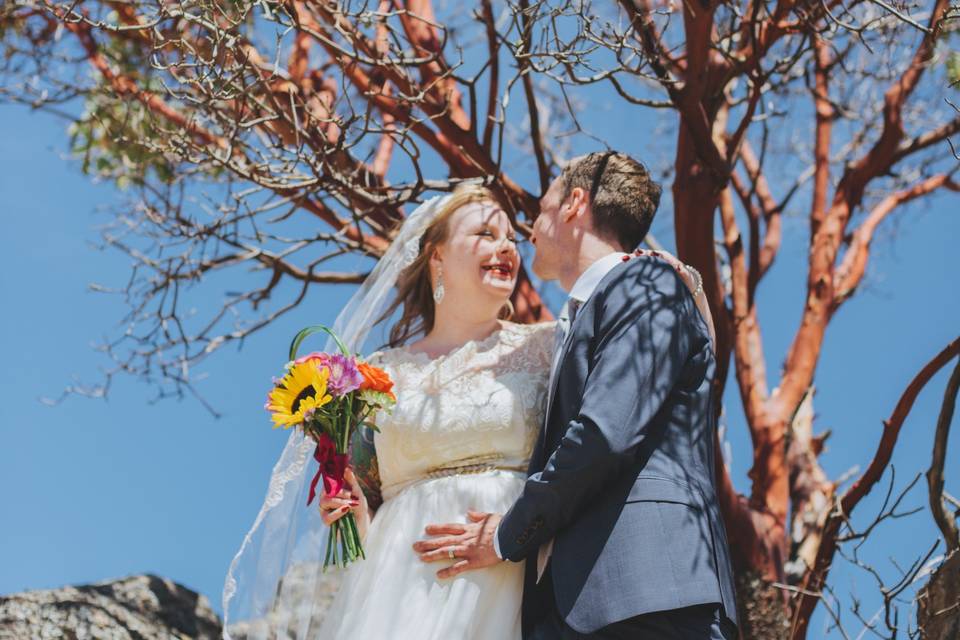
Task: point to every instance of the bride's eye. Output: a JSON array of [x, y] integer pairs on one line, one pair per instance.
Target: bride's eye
[[490, 234]]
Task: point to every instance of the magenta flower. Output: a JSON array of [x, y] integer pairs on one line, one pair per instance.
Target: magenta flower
[[344, 374]]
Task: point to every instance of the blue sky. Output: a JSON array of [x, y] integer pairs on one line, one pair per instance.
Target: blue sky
[[95, 489]]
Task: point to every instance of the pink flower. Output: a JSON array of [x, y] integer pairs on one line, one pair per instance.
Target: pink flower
[[344, 374], [316, 355]]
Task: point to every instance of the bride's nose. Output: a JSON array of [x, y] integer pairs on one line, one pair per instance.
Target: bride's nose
[[505, 247]]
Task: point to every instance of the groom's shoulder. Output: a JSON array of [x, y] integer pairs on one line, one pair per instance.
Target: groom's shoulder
[[647, 274]]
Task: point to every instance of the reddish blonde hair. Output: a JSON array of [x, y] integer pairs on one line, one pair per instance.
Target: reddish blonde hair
[[415, 284]]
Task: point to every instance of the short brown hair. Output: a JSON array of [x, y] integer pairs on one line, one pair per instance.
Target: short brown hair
[[621, 193]]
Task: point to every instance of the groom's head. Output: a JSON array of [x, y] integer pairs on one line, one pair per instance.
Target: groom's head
[[602, 198]]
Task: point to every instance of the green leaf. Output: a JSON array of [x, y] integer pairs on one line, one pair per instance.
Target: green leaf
[[953, 69]]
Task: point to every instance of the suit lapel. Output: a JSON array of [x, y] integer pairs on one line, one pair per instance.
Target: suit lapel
[[555, 379], [565, 348]]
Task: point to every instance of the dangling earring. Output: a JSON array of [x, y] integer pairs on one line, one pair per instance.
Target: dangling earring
[[438, 291]]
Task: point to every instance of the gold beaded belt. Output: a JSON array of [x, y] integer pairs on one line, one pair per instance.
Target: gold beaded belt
[[479, 464], [481, 467]]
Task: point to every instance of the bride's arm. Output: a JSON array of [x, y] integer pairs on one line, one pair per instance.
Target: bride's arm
[[694, 281], [363, 460]]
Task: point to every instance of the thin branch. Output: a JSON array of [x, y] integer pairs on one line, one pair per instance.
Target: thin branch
[[946, 523], [861, 487]]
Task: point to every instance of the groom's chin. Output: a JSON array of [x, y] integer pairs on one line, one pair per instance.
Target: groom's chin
[[536, 266]]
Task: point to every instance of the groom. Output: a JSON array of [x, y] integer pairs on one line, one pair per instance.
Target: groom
[[618, 521]]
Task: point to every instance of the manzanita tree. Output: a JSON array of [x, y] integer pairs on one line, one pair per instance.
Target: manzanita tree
[[293, 135]]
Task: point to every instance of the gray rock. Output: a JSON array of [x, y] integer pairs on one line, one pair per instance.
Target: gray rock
[[302, 600], [135, 608]]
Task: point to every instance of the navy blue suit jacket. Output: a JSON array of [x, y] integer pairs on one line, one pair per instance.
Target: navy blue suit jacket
[[622, 477]]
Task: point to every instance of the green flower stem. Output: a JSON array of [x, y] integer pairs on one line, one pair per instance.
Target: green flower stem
[[303, 333], [330, 542], [344, 548]]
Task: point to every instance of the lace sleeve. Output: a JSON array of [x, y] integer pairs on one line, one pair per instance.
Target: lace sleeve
[[534, 359], [363, 459], [540, 343]]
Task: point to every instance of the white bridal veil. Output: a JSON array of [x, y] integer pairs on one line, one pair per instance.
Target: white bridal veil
[[275, 587]]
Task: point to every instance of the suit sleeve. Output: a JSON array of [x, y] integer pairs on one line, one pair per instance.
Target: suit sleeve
[[643, 339]]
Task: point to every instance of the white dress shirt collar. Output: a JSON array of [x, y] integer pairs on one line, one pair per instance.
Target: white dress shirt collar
[[585, 285]]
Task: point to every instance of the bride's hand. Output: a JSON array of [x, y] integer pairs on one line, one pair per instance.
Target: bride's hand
[[332, 508], [693, 281]]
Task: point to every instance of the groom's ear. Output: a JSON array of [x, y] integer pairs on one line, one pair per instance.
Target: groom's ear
[[576, 204]]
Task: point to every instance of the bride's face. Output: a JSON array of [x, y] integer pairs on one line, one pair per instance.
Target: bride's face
[[479, 258]]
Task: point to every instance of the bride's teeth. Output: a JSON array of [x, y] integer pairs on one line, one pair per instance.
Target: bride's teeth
[[499, 269]]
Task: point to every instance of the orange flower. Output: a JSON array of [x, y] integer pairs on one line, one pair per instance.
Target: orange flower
[[375, 379]]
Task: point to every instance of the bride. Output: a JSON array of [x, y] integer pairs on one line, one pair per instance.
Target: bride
[[471, 395], [470, 401]]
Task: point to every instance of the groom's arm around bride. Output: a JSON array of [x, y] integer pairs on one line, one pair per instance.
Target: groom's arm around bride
[[626, 492], [621, 488]]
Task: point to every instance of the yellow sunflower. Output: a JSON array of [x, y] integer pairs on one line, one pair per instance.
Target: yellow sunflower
[[302, 390]]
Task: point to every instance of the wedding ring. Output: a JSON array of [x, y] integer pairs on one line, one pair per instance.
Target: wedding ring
[[450, 553]]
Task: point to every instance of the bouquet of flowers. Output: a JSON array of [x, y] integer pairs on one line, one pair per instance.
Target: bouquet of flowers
[[329, 396]]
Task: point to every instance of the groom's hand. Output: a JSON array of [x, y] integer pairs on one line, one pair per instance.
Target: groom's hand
[[471, 544]]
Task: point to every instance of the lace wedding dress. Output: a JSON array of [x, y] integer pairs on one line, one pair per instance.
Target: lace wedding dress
[[460, 438]]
